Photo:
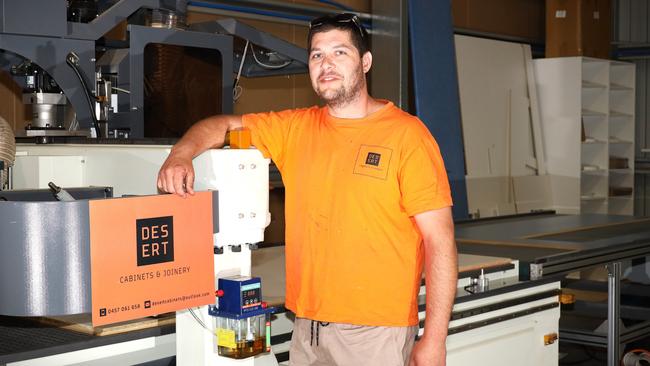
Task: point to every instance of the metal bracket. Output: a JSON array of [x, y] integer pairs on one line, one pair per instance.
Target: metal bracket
[[536, 271]]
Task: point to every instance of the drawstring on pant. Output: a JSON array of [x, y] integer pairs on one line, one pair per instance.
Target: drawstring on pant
[[318, 325]]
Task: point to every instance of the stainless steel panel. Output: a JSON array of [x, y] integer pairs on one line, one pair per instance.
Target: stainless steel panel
[[44, 258]]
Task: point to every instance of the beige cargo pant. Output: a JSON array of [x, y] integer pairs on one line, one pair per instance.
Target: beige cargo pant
[[335, 344]]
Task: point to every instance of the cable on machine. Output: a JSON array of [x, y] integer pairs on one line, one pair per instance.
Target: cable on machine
[[198, 320], [268, 66], [73, 61], [237, 89]]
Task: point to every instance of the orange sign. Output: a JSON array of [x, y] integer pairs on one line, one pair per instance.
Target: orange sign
[[150, 255]]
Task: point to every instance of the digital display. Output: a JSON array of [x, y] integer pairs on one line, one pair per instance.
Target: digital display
[[251, 297]]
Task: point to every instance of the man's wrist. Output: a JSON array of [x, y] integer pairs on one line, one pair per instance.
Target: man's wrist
[[181, 152], [434, 340]]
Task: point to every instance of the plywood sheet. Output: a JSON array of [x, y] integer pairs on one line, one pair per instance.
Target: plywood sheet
[[493, 89], [82, 324], [490, 196], [470, 262]]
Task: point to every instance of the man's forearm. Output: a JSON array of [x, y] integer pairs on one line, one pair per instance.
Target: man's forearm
[[177, 173], [205, 134], [441, 276]]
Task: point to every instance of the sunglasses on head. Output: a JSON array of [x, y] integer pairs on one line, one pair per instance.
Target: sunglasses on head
[[338, 19]]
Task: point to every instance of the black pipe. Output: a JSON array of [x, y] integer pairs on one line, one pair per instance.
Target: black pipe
[[73, 61]]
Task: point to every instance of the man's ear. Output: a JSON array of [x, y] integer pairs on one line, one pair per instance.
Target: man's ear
[[366, 61]]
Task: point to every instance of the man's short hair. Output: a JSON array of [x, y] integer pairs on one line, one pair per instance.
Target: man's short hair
[[345, 21]]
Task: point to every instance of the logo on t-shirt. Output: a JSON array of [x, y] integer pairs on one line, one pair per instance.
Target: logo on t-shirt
[[373, 158], [373, 161]]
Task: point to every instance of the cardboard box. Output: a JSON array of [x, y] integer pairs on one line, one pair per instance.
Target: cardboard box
[[578, 28]]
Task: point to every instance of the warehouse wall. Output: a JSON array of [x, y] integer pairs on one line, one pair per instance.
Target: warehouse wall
[[632, 30], [518, 19], [632, 21]]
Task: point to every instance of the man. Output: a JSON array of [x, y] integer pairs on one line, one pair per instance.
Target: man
[[367, 205]]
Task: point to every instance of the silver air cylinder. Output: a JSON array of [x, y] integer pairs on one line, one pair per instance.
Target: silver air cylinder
[[172, 15], [48, 109]]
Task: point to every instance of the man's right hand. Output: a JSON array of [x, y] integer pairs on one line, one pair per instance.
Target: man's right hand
[[177, 175]]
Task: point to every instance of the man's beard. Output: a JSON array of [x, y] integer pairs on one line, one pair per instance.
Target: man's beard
[[342, 96]]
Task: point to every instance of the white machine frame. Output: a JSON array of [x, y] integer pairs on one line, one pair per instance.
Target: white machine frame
[[240, 176]]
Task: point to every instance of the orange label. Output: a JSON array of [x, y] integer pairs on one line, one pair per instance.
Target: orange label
[[150, 255]]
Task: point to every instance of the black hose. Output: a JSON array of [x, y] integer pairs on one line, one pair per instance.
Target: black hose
[[73, 61]]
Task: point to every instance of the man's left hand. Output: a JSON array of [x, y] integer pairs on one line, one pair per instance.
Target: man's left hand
[[427, 353]]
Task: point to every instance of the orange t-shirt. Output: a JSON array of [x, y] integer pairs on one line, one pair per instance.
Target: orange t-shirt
[[353, 251]]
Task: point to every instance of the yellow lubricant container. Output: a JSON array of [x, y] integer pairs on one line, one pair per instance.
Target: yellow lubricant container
[[241, 338], [242, 318]]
